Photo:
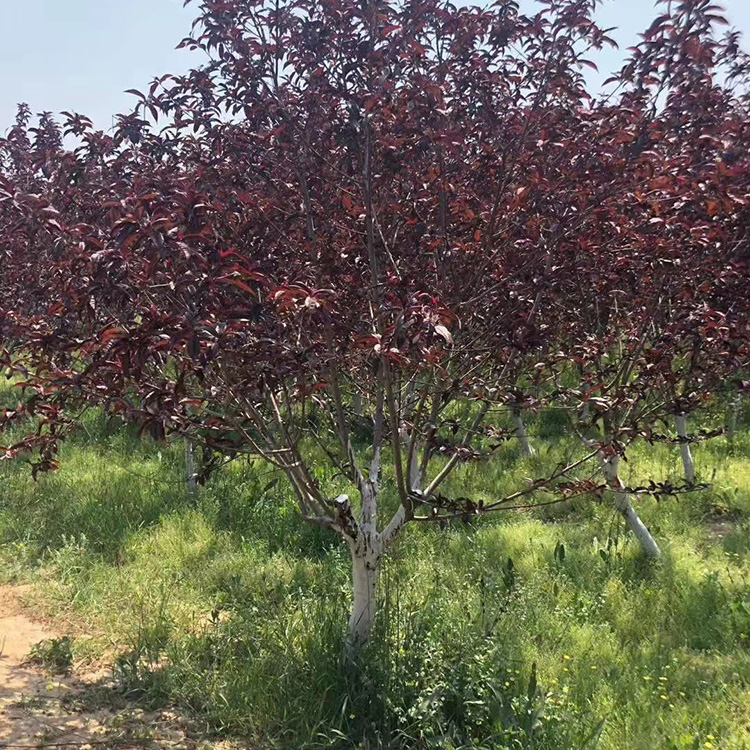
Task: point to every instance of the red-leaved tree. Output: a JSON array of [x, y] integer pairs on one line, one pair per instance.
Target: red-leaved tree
[[408, 210]]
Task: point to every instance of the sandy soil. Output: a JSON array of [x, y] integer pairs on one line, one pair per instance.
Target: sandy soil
[[38, 709]]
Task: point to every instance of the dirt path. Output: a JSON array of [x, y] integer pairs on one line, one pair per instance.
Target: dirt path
[[38, 709]]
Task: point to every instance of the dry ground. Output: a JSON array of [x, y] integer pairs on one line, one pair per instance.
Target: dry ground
[[83, 709]]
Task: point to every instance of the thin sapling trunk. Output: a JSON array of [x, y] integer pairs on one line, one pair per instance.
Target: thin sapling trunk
[[734, 411], [687, 457], [190, 467], [520, 428]]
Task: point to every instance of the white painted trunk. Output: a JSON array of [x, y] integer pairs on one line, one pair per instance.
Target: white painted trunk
[[190, 466], [611, 469], [523, 439], [365, 571], [415, 480], [687, 458]]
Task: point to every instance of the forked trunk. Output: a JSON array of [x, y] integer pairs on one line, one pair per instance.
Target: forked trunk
[[366, 558], [687, 458], [523, 439], [611, 469]]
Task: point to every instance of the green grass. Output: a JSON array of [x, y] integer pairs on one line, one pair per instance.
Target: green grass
[[230, 608], [54, 654]]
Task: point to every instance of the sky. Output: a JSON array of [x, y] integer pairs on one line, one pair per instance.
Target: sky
[[82, 55]]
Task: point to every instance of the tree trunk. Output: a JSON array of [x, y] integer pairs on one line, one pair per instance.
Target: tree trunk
[[366, 557], [586, 413], [687, 458], [190, 467], [734, 411], [622, 503], [523, 439]]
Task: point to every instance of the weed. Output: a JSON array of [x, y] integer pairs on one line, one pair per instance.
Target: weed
[[54, 654]]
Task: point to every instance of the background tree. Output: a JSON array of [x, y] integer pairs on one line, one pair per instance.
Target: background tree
[[657, 321]]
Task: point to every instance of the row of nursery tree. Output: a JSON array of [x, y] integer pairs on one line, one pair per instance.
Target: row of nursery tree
[[363, 229]]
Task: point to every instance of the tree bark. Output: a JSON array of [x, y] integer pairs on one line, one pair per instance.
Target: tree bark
[[687, 458], [366, 557], [523, 439], [648, 544]]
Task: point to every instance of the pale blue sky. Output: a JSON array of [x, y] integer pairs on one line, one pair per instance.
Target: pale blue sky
[[82, 54]]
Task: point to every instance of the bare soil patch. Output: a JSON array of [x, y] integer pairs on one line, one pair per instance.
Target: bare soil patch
[[722, 522], [38, 709]]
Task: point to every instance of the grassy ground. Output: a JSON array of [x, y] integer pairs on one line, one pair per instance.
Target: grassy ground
[[228, 607]]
